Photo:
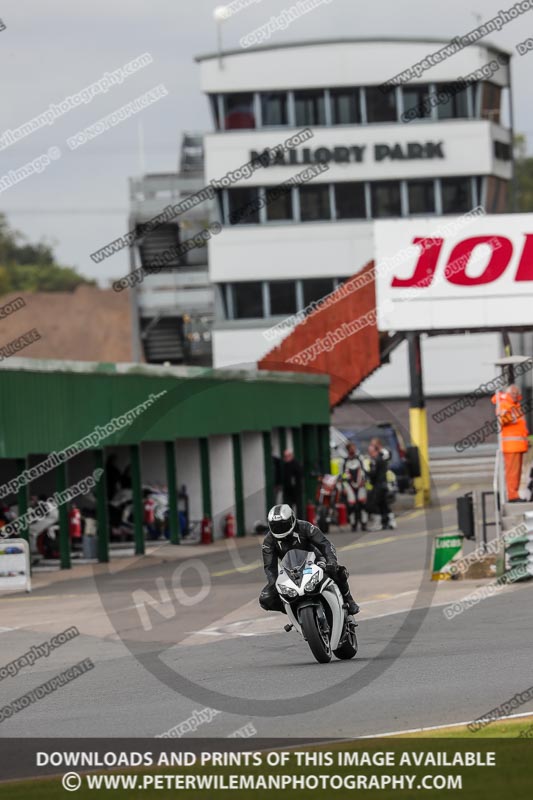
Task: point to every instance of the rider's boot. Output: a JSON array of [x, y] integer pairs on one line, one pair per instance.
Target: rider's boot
[[374, 523], [353, 608]]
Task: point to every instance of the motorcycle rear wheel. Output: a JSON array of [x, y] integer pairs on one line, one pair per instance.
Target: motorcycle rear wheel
[[316, 639]]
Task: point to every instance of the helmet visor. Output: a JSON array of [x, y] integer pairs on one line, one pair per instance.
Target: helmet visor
[[279, 527]]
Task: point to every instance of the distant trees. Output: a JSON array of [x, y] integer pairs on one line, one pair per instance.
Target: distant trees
[[26, 267], [523, 175]]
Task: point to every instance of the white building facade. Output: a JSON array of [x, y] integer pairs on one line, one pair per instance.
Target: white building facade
[[278, 252]]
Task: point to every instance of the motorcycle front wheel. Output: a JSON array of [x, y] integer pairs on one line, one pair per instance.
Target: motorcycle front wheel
[[317, 640], [348, 648]]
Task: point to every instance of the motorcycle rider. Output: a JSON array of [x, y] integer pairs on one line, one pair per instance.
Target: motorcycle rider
[[288, 533], [378, 502], [353, 484]]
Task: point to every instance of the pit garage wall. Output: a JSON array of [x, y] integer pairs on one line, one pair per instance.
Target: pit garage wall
[[222, 481], [188, 471], [153, 470], [253, 478], [221, 473]]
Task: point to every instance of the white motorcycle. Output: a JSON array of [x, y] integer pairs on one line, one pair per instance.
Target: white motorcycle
[[43, 532], [315, 607]]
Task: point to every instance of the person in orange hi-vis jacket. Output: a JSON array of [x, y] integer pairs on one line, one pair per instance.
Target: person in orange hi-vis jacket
[[514, 435]]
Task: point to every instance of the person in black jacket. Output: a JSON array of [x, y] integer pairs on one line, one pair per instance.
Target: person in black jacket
[[378, 500], [113, 477], [291, 480], [288, 533], [277, 476]]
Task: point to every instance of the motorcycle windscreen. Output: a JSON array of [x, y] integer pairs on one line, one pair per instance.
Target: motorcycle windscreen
[[294, 563], [296, 558]]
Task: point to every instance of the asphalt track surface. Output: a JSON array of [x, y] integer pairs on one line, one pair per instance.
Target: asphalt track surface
[[414, 668]]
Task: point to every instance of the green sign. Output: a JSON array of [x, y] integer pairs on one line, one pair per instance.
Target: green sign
[[445, 548]]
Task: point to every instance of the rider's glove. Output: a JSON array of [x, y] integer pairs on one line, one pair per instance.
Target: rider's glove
[[321, 564]]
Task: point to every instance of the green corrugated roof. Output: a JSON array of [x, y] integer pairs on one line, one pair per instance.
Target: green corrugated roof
[[48, 405]]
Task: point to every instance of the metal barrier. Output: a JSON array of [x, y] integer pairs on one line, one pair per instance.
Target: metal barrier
[[499, 489], [484, 522]]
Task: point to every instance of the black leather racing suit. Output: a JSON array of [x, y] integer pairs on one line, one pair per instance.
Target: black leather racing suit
[[378, 501], [304, 537]]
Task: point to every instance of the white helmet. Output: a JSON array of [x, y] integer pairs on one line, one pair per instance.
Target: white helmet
[[281, 521]]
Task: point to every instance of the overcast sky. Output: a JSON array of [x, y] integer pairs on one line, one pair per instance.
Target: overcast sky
[[52, 49]]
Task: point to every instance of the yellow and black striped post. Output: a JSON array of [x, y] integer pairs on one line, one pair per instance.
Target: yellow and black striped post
[[418, 420]]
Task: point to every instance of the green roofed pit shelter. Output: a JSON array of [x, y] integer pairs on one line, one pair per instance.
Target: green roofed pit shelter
[[213, 431]]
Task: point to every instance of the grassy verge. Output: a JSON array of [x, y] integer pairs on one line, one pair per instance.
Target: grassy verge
[[505, 729]]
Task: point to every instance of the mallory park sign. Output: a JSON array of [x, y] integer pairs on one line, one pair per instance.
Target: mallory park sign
[[346, 155]]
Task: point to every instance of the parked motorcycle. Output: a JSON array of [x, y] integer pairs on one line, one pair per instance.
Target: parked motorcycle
[[327, 497], [315, 607], [161, 511], [120, 510], [121, 513], [43, 532]]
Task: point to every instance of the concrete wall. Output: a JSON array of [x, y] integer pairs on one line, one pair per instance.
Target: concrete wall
[[246, 344], [339, 63], [253, 479], [188, 473], [222, 481], [290, 440], [452, 365], [290, 250]]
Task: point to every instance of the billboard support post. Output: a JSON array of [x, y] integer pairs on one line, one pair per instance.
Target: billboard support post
[[418, 420]]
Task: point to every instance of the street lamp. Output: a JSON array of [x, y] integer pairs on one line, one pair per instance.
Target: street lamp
[[220, 14]]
